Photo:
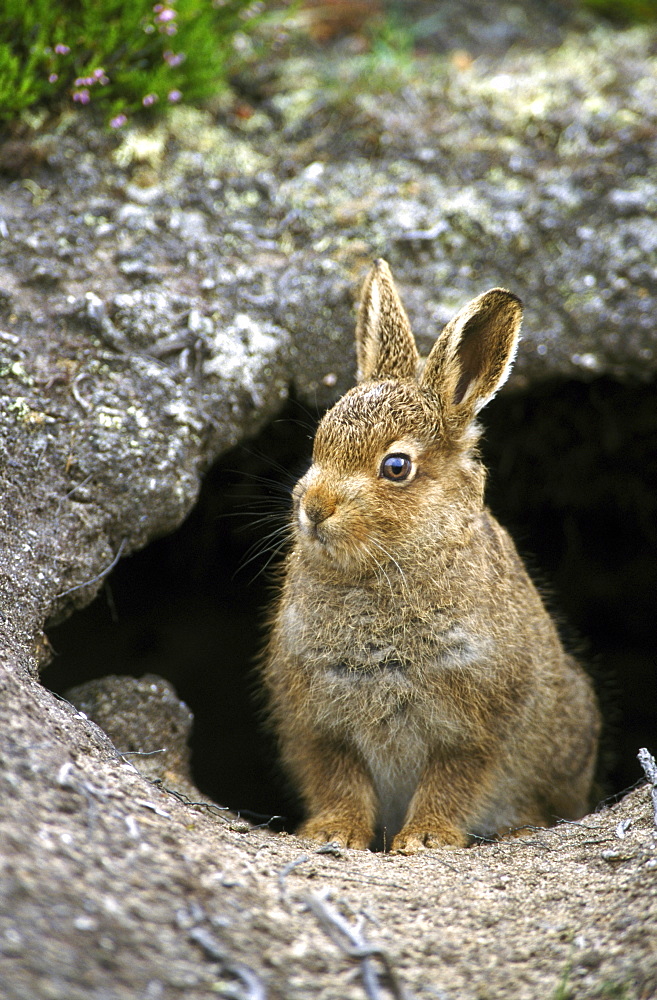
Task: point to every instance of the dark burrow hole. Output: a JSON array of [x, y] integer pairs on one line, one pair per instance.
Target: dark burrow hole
[[572, 474]]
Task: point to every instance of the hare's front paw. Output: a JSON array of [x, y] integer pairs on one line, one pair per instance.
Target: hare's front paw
[[419, 837], [337, 829]]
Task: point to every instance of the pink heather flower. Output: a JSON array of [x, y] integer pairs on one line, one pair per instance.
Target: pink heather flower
[[53, 78], [118, 121], [149, 99], [168, 29], [62, 50], [166, 14], [98, 73], [158, 7], [84, 81], [174, 95], [81, 96], [173, 58]]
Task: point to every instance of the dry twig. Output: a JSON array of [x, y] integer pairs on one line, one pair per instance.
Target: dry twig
[[353, 943], [254, 988], [95, 579], [210, 807], [284, 872]]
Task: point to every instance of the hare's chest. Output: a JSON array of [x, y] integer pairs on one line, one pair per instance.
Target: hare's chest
[[355, 644], [379, 679]]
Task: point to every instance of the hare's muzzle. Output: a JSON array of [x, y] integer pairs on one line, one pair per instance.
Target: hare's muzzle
[[315, 507]]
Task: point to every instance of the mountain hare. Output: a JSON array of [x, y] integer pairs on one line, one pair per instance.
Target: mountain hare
[[416, 683]]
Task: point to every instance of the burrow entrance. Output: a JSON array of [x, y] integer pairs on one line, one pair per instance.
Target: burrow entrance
[[572, 474]]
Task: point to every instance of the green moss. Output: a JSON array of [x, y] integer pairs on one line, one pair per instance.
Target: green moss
[[385, 67], [564, 990], [125, 55], [625, 11], [14, 369], [614, 991]]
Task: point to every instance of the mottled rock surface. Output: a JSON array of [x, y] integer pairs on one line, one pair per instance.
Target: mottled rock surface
[[146, 720]]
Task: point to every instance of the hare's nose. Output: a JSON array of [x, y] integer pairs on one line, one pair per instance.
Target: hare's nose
[[316, 507]]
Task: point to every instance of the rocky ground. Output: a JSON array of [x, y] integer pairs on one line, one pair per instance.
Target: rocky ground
[[162, 293]]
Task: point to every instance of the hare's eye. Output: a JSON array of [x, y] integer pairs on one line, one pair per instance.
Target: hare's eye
[[396, 467]]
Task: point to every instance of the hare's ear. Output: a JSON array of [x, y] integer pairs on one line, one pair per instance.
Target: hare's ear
[[384, 342], [473, 355]]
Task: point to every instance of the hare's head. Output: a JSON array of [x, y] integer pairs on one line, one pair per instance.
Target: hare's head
[[394, 470]]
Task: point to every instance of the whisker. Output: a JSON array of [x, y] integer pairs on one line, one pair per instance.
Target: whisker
[[276, 551], [312, 419], [305, 425], [272, 484], [392, 560], [253, 510], [262, 540], [381, 568], [288, 475], [259, 512], [261, 546], [261, 543]]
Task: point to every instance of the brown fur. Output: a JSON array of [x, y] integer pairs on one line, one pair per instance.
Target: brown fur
[[416, 683]]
